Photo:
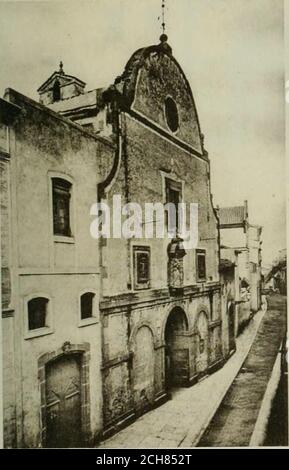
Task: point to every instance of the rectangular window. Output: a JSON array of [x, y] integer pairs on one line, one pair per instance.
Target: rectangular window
[[37, 310], [61, 193], [86, 305], [201, 265], [141, 267], [173, 196]]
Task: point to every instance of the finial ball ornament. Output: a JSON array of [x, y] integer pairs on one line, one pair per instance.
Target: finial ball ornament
[[163, 38]]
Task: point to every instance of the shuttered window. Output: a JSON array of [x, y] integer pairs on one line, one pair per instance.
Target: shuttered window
[[61, 207]]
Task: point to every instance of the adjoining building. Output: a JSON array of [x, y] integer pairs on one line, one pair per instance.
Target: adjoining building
[[231, 303], [99, 331], [237, 233], [50, 277], [275, 279]]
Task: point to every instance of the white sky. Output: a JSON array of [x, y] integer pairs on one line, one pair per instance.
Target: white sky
[[231, 51]]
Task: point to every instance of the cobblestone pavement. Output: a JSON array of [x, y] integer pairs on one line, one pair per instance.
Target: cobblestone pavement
[[235, 420], [180, 422]]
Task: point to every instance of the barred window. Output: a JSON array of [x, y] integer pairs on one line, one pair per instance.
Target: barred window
[[61, 190]]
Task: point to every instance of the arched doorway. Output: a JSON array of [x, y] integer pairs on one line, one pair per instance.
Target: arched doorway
[[143, 368], [202, 343], [176, 349], [63, 402]]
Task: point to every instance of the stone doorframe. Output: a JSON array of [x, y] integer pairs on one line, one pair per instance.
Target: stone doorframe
[[67, 349]]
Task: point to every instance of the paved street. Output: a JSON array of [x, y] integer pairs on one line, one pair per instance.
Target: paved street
[[181, 421], [234, 422]]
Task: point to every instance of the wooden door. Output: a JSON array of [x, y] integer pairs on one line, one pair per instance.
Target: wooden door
[[63, 402]]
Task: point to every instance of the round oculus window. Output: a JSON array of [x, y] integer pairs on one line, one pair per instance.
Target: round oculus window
[[172, 116]]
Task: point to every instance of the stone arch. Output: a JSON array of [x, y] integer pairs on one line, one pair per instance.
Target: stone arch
[[202, 308], [135, 329], [75, 352], [176, 339], [143, 366], [202, 343], [170, 309]]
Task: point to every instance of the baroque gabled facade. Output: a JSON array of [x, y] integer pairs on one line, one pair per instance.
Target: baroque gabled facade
[[166, 330], [99, 331]]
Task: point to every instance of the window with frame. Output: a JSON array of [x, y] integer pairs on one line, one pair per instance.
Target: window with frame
[[86, 305], [201, 265], [61, 194], [37, 313], [174, 197], [141, 265]]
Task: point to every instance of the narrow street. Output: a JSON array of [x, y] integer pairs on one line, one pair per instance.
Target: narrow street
[[182, 421], [234, 422]]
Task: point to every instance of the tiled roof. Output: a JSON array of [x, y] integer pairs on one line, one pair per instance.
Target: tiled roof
[[232, 215]]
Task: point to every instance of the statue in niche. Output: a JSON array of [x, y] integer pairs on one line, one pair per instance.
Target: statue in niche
[[176, 253]]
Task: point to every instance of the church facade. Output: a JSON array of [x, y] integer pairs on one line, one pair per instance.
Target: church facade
[[99, 331], [162, 316]]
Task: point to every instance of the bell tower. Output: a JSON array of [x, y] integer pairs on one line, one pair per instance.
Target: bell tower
[[60, 86]]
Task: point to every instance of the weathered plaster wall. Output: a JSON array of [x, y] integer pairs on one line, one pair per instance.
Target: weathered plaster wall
[[43, 145], [147, 159], [125, 391], [159, 77], [148, 156]]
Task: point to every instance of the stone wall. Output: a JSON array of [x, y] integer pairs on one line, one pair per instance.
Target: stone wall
[[127, 392]]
